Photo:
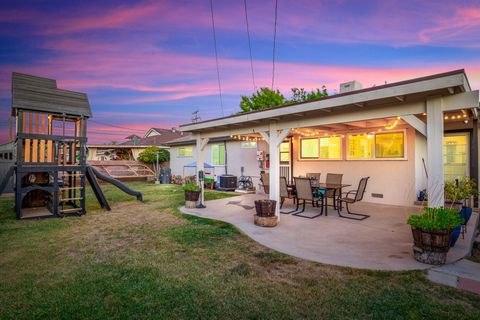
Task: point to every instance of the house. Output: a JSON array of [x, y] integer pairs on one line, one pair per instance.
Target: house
[[406, 136], [131, 149]]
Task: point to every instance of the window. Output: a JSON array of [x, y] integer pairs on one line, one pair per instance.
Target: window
[[455, 156], [309, 148], [330, 148], [360, 146], [185, 151], [389, 145], [285, 152], [249, 144], [218, 154]]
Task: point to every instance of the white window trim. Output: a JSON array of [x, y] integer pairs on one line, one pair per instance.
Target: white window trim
[[374, 158], [318, 158], [180, 156], [211, 154]]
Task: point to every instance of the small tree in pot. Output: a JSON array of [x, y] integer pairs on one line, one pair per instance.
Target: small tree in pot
[[432, 234], [265, 213], [192, 194]]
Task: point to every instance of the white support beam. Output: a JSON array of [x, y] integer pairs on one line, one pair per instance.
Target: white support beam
[[266, 136], [200, 149], [400, 98], [435, 183], [462, 100], [360, 105], [451, 90], [418, 124]]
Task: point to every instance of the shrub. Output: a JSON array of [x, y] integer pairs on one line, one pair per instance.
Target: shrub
[[191, 187], [465, 189], [149, 155], [436, 218]]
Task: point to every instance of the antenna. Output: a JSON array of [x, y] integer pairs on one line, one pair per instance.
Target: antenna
[[196, 116]]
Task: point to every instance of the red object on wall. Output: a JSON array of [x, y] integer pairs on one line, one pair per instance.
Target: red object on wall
[[267, 162]]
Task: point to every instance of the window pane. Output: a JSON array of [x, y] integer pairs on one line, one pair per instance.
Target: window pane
[[185, 152], [389, 145], [249, 144], [330, 148], [285, 147], [360, 146], [309, 148], [455, 156], [218, 155], [188, 151], [221, 155]]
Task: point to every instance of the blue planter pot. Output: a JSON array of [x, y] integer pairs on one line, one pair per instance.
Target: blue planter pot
[[455, 235], [466, 213]]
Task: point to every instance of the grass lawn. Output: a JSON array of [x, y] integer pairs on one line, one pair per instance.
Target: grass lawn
[[143, 261]]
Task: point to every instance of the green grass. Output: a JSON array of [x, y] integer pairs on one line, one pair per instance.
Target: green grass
[[143, 261]]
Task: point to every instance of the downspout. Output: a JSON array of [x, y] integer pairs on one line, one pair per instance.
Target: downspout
[[226, 162]]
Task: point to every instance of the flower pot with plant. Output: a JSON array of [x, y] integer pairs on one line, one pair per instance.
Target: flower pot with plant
[[459, 194], [432, 233], [265, 213], [192, 194]]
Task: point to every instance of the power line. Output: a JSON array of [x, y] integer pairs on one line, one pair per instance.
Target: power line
[[115, 126], [216, 56], [249, 45], [274, 43]]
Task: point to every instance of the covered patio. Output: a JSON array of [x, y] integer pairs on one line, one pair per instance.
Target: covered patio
[[382, 242]]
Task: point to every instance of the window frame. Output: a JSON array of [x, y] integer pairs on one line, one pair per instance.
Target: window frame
[[184, 156], [300, 149], [224, 154], [320, 148], [374, 158]]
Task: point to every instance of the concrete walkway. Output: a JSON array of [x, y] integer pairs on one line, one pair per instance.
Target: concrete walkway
[[381, 242]]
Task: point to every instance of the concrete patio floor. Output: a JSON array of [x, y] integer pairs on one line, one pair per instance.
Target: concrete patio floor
[[381, 242]]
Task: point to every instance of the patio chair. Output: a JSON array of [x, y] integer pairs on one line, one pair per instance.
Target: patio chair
[[314, 178], [265, 181], [286, 193], [333, 178], [352, 197], [304, 193]]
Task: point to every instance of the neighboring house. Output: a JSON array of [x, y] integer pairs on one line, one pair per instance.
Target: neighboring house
[[130, 149], [378, 132], [7, 159]]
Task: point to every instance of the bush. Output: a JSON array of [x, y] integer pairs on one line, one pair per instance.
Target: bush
[[149, 155], [435, 218], [191, 187], [465, 189]]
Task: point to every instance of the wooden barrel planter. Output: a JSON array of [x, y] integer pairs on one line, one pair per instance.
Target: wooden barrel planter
[[431, 246], [265, 213], [191, 198]]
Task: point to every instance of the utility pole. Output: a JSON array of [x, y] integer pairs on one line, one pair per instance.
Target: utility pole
[[196, 116]]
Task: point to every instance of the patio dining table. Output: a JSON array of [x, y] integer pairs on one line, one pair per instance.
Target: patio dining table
[[336, 187]]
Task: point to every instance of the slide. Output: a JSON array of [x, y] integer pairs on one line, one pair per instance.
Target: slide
[[6, 178], [115, 182]]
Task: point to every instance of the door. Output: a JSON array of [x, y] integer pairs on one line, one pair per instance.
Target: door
[[285, 160], [455, 156]]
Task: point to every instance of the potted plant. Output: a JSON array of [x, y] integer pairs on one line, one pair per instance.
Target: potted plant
[[432, 233], [265, 213], [192, 193]]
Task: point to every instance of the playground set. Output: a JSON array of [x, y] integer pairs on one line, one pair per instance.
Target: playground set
[[50, 171]]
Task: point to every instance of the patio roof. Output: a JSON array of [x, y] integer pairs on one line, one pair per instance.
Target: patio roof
[[404, 93]]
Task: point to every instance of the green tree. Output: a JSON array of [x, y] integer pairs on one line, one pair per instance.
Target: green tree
[[149, 155], [301, 95], [263, 98]]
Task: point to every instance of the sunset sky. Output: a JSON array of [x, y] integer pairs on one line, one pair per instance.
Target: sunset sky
[[151, 63]]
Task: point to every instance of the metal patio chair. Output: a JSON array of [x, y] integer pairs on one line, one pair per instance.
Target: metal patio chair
[[352, 197], [286, 193], [333, 178], [304, 194]]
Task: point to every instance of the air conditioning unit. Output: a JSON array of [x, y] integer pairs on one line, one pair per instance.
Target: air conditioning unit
[[350, 86], [228, 182]]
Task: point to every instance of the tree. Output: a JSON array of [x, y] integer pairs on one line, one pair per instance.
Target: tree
[[149, 155], [265, 98], [300, 95]]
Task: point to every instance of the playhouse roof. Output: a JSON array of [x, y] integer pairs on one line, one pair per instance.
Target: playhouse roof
[[34, 93]]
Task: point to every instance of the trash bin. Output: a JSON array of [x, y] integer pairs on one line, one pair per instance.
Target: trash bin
[[165, 174]]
